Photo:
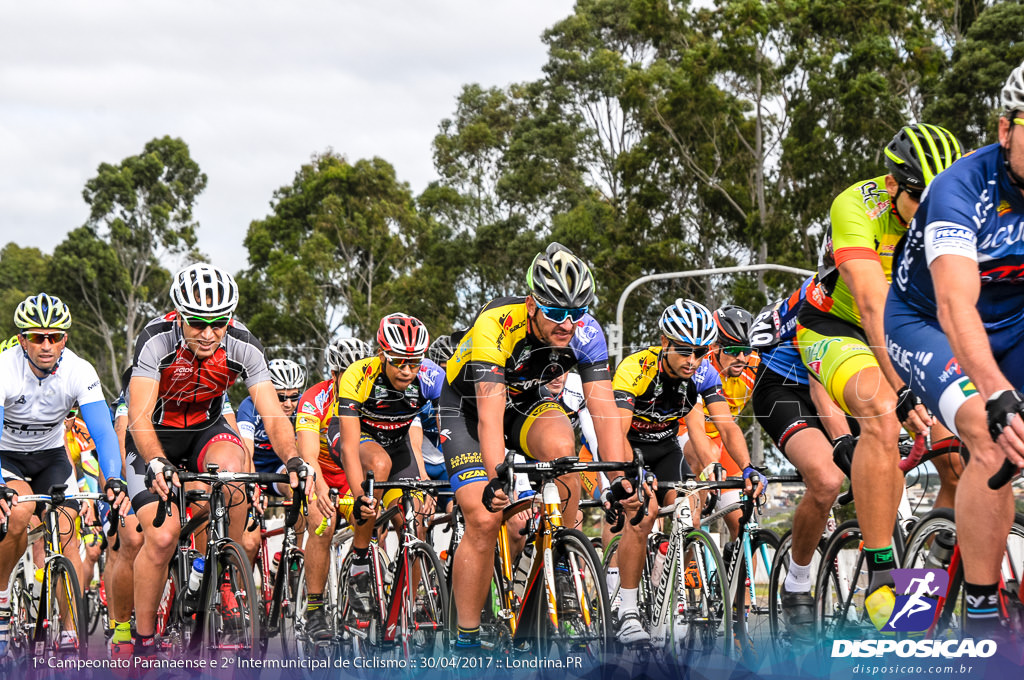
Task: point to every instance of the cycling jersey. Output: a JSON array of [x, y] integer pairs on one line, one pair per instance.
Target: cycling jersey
[[773, 334], [385, 413], [658, 401], [736, 390], [501, 348], [191, 390], [863, 225], [313, 413], [250, 426], [77, 440], [973, 211]]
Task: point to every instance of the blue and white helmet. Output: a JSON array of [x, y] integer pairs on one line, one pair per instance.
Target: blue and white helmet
[[686, 321]]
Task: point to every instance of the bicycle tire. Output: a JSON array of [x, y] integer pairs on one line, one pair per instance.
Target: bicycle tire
[[840, 588], [646, 587], [232, 620], [426, 624], [782, 643], [62, 581], [289, 592], [23, 619], [751, 627], [700, 609], [582, 610]]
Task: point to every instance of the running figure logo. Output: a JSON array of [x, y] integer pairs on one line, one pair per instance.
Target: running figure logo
[[917, 595]]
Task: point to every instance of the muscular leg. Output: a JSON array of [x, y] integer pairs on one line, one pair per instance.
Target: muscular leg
[[119, 576], [811, 453], [151, 565]]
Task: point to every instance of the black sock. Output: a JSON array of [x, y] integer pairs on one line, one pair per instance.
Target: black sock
[[145, 645], [982, 609], [881, 562], [468, 637], [314, 601]]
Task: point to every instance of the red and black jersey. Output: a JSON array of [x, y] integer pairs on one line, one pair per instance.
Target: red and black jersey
[[192, 390]]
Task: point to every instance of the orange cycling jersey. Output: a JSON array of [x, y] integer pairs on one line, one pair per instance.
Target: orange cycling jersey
[[316, 408], [737, 393]]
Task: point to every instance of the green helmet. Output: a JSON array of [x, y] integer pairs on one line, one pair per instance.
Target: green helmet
[[919, 152], [42, 311]]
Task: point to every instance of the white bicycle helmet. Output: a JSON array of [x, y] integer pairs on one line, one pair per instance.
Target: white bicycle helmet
[[285, 374], [204, 290], [686, 321], [342, 353], [1012, 96]]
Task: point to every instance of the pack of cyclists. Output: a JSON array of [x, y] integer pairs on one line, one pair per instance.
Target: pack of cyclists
[[911, 322]]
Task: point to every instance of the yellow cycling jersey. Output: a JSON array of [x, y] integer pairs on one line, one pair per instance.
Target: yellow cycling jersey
[[737, 390], [501, 347]]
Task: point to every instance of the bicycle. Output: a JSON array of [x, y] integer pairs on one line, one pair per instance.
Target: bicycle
[[409, 596], [222, 616], [933, 545], [54, 624], [278, 589], [562, 605]]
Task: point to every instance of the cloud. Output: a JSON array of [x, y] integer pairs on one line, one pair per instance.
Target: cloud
[[255, 88]]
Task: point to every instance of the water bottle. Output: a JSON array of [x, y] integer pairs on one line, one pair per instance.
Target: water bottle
[[659, 563], [195, 580], [941, 551]]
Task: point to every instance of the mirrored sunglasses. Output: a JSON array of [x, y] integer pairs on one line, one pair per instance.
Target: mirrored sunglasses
[[40, 338], [559, 314]]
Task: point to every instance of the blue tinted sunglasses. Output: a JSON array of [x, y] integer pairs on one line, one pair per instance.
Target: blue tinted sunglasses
[[559, 314]]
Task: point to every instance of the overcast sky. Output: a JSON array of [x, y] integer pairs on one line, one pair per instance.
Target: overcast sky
[[254, 88]]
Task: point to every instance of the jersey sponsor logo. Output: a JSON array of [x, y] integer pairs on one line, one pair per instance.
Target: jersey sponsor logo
[[967, 387], [182, 370], [93, 386], [1006, 235], [869, 191], [879, 209], [21, 400], [429, 376], [585, 333], [379, 392], [952, 368], [322, 399], [470, 458], [1003, 208], [1005, 273], [472, 474], [900, 356]]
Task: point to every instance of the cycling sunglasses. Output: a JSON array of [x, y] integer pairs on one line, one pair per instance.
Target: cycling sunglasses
[[737, 350], [287, 397], [689, 350], [559, 314], [404, 362], [201, 324], [40, 338]]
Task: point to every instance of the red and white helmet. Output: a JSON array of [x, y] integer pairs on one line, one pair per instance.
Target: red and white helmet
[[401, 335]]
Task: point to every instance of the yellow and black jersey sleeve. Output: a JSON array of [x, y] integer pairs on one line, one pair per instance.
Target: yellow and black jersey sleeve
[[355, 385], [487, 346], [634, 376]]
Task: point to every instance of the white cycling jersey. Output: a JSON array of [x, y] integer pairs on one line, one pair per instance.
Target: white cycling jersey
[[34, 409]]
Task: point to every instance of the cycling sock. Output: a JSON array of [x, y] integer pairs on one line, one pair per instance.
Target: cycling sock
[[881, 562], [314, 601], [627, 600], [360, 561], [145, 645], [612, 579], [982, 608], [468, 638], [798, 580], [122, 631]]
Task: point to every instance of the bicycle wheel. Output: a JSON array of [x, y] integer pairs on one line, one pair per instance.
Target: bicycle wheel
[[840, 588], [921, 544], [290, 583], [700, 612], [782, 642], [429, 595], [750, 594], [65, 624], [232, 622], [581, 623], [23, 618]]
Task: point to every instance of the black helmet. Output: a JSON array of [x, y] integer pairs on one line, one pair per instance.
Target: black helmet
[[557, 278], [919, 152], [734, 325], [441, 350]]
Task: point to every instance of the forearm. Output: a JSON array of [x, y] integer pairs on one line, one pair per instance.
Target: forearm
[[735, 443], [282, 437]]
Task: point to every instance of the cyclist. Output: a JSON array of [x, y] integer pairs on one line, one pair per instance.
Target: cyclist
[[655, 388], [183, 363], [493, 399], [38, 386], [288, 378], [788, 411], [316, 408], [378, 398], [842, 341], [81, 451], [736, 363], [958, 344]]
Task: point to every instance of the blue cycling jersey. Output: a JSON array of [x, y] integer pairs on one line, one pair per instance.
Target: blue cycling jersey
[[250, 426], [973, 211], [773, 333]]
